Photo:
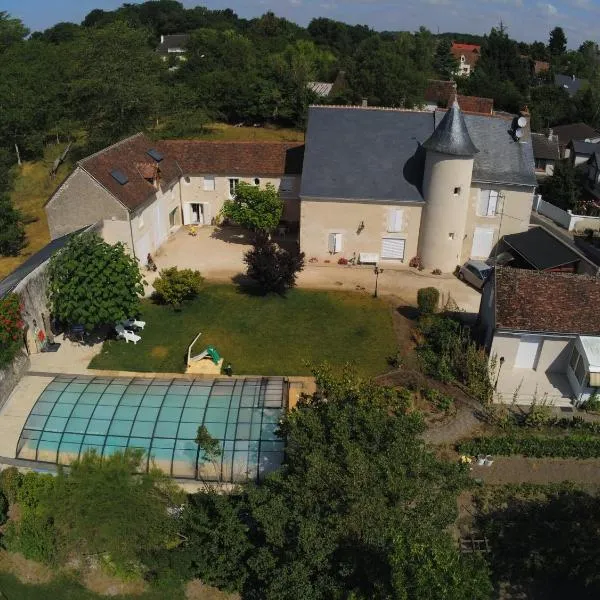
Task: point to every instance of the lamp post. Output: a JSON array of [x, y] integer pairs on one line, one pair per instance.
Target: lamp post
[[498, 376], [377, 271]]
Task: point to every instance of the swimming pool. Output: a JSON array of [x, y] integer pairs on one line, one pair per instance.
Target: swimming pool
[[161, 417]]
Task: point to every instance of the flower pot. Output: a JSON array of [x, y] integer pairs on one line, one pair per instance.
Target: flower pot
[[480, 460], [488, 461]]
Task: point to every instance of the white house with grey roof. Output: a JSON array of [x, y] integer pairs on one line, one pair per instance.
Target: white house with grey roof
[[387, 185]]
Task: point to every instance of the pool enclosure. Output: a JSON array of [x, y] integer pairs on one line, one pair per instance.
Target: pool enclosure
[[160, 416]]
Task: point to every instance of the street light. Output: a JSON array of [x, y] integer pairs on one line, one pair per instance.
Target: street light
[[377, 271], [498, 376]]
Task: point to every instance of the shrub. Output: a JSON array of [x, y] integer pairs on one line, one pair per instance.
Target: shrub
[[436, 272], [174, 287], [33, 536], [441, 401], [12, 231], [592, 404], [342, 261], [273, 268], [569, 446], [11, 328], [10, 482], [415, 262], [3, 509], [428, 300]]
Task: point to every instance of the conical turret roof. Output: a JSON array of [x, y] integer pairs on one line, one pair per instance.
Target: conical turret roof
[[451, 136]]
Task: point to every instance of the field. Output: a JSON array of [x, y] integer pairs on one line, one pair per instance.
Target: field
[[261, 335]]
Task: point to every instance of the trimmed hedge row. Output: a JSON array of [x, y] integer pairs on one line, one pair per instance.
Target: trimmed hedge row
[[569, 446]]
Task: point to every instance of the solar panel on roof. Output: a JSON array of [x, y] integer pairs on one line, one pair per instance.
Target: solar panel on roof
[[119, 176], [155, 154]]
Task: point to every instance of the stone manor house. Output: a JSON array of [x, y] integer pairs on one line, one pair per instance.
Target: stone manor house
[[382, 185]]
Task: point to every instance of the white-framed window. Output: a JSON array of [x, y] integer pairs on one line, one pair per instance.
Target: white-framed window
[[286, 185], [335, 242], [394, 224], [209, 183], [487, 203], [233, 182]]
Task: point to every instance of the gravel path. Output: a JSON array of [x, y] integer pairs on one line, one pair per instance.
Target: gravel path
[[519, 469]]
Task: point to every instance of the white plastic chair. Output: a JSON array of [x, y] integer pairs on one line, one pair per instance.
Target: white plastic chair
[[134, 323], [126, 334]]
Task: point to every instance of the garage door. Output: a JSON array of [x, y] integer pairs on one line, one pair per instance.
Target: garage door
[[483, 241], [392, 248], [527, 354]]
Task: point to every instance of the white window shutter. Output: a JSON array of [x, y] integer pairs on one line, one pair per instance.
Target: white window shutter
[[209, 184], [492, 204], [395, 220], [332, 242], [482, 206], [335, 242]]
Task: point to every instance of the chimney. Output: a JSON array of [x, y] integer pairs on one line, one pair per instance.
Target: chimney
[[550, 133], [162, 38], [365, 103], [572, 77]]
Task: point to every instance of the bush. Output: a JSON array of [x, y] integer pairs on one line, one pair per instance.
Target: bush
[[12, 230], [33, 536], [592, 404], [441, 401], [10, 482], [11, 328], [569, 446], [174, 287], [273, 268], [3, 509], [428, 300]]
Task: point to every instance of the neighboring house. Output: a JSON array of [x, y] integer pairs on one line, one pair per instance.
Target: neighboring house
[[580, 152], [546, 152], [173, 45], [540, 250], [142, 191], [575, 131], [467, 56], [388, 184], [324, 89], [212, 170], [540, 66], [543, 334], [570, 83], [441, 94]]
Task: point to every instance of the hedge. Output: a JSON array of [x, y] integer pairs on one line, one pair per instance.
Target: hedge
[[569, 446]]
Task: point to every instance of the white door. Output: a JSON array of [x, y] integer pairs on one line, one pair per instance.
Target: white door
[[392, 248], [206, 216], [483, 242], [528, 352]]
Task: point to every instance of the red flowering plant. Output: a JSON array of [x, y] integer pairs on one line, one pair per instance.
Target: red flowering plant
[[11, 328]]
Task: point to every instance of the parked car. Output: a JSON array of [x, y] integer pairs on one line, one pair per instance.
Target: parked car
[[477, 272]]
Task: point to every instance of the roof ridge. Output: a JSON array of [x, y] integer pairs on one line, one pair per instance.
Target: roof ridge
[[116, 144], [271, 142], [360, 107]]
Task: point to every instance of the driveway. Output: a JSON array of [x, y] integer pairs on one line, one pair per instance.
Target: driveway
[[218, 255]]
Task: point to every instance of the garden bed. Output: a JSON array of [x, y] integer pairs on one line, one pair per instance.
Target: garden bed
[[261, 335]]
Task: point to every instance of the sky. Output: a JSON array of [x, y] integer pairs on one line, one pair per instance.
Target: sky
[[527, 20]]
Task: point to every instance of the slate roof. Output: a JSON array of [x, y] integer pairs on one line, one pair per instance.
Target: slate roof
[[575, 131], [540, 249], [545, 147], [500, 159], [374, 154], [178, 40], [267, 159], [451, 135], [550, 302], [587, 148], [125, 156], [11, 281], [572, 85]]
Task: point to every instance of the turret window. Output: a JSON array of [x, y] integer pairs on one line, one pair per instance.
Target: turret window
[[457, 191]]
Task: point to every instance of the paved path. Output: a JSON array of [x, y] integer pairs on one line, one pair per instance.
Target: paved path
[[519, 469]]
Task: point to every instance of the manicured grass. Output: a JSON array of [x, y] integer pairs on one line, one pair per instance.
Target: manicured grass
[[65, 589], [31, 189], [261, 335], [228, 133]]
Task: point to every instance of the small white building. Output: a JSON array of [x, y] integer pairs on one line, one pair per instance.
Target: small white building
[[542, 330]]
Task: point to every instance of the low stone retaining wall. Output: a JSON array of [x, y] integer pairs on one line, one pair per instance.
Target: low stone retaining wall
[[11, 375]]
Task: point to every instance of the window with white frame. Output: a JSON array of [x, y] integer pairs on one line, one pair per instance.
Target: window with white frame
[[233, 183], [335, 242], [209, 183], [394, 224], [488, 203]]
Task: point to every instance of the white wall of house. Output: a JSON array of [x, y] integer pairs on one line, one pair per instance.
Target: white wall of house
[[211, 191]]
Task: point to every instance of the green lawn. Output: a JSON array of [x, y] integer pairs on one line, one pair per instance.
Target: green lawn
[[261, 335], [66, 589]]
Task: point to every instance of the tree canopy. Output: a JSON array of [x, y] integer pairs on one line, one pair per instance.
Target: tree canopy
[[255, 208], [93, 283]]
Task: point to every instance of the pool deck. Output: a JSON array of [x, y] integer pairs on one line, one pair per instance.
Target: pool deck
[[15, 411]]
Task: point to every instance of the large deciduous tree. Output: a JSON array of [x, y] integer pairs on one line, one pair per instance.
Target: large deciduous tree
[[565, 188], [11, 31], [93, 283], [255, 208]]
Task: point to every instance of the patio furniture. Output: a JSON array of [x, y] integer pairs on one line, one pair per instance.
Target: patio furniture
[[281, 231], [127, 334], [78, 332], [133, 323]]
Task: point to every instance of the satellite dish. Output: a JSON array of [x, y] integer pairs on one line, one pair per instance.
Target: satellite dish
[[522, 122], [519, 133]]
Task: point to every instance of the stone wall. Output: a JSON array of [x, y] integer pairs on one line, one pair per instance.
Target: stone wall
[[11, 375]]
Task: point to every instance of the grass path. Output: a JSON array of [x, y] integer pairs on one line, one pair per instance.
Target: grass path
[[262, 335]]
